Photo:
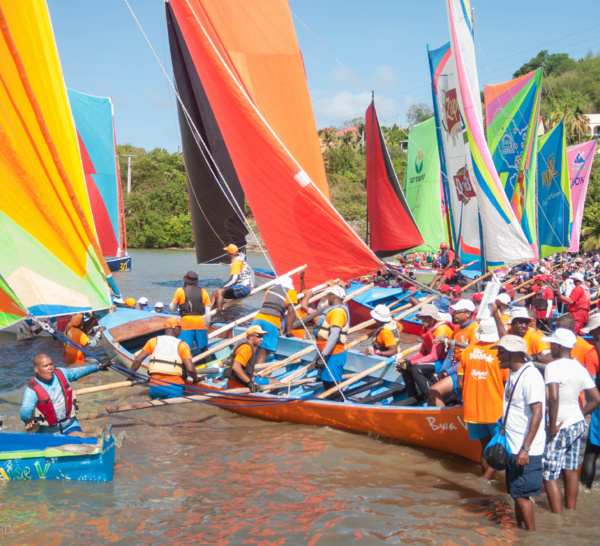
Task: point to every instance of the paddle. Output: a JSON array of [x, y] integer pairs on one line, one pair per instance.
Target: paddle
[[108, 387], [475, 281], [359, 376]]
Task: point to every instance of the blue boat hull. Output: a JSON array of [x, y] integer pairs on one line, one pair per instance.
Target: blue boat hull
[[119, 264]]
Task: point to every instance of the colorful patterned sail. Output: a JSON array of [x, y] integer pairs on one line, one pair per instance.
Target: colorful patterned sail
[[424, 192], [11, 309], [244, 57], [95, 131], [580, 158], [554, 192], [392, 227], [503, 239], [512, 112], [51, 259]]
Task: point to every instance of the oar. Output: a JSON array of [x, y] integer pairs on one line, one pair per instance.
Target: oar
[[525, 297], [108, 387], [414, 282], [359, 376], [262, 287], [475, 281], [508, 281]]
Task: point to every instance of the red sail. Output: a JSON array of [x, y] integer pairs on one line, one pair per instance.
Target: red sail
[[228, 42], [391, 223]]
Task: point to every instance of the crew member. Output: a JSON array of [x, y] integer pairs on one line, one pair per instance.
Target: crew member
[[49, 398], [448, 263], [503, 303], [75, 333], [194, 308], [143, 303], [278, 302], [159, 307], [129, 303], [578, 302], [170, 363], [239, 283], [543, 302], [386, 337]]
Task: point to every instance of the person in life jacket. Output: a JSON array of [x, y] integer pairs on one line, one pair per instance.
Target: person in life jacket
[[75, 332], [543, 301], [239, 283], [129, 303], [278, 303], [386, 337], [448, 263], [194, 307], [331, 333], [49, 404], [578, 302], [239, 366], [143, 303], [170, 362]]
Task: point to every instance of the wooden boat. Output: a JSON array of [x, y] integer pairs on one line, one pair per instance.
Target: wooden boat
[[119, 264], [25, 456]]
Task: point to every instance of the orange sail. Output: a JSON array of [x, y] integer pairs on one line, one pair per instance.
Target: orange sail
[[247, 61]]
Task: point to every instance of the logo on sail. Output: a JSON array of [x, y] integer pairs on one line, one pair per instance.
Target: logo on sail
[[549, 173], [451, 108], [419, 162], [464, 188]]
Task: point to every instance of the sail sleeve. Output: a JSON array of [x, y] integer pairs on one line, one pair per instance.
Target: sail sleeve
[[49, 257], [297, 222], [392, 225]]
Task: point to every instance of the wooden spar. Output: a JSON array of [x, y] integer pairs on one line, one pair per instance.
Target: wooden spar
[[475, 281], [262, 287], [108, 387], [359, 376], [465, 266], [508, 281], [525, 297]]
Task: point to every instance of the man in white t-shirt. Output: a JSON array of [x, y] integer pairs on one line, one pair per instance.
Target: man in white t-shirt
[[566, 379], [524, 433]]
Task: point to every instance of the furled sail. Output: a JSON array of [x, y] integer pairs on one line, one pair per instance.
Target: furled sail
[[503, 239], [512, 115], [258, 44], [424, 192], [580, 158], [51, 259], [392, 226], [237, 48], [95, 131], [553, 192]]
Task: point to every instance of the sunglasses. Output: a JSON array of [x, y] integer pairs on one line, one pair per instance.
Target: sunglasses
[[258, 335]]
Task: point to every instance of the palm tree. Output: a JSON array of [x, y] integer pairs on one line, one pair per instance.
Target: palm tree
[[591, 232], [580, 124], [348, 139], [361, 128], [329, 138]]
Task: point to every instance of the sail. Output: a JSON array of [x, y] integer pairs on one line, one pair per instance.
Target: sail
[[391, 224], [423, 185], [50, 255], [554, 192], [11, 309], [512, 115], [230, 44], [258, 44], [503, 239], [580, 158], [94, 123]]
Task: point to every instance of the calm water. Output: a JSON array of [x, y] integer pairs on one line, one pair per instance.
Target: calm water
[[194, 474]]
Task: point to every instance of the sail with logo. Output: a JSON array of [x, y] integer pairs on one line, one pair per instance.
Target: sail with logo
[[554, 192], [424, 190], [512, 111], [239, 65], [580, 158], [51, 260], [503, 240], [392, 226]]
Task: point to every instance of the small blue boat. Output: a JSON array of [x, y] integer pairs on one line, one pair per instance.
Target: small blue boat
[[27, 456], [119, 264]]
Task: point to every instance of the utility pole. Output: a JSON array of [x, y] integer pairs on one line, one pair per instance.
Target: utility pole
[[128, 171]]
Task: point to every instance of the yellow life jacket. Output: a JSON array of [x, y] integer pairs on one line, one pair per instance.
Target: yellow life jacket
[[322, 327], [392, 326], [165, 359]]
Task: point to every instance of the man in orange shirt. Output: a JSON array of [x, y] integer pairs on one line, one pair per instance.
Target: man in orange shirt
[[582, 347], [386, 337], [170, 363], [75, 333], [239, 284], [482, 383], [194, 307]]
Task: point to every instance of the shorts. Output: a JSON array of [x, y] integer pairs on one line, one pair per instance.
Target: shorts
[[334, 370], [269, 342], [562, 451], [524, 481], [166, 391], [477, 431], [191, 336], [237, 291], [449, 273]]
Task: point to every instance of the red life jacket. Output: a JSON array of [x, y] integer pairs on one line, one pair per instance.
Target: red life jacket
[[45, 405]]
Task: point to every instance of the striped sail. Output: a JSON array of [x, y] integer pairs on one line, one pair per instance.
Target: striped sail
[[50, 255]]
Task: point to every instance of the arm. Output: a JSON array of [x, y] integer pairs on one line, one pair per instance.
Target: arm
[[190, 369], [334, 335], [592, 400], [498, 319], [73, 374], [291, 318], [549, 310], [231, 281], [553, 401], [29, 403], [94, 341], [534, 425], [304, 305], [207, 316], [138, 360], [460, 381], [173, 307], [239, 372]]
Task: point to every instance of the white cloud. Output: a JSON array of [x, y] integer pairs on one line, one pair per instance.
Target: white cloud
[[341, 107], [384, 78]]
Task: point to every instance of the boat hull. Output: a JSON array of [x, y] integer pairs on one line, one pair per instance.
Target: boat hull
[[119, 264]]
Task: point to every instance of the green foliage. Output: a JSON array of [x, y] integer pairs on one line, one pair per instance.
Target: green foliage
[[418, 113], [555, 63]]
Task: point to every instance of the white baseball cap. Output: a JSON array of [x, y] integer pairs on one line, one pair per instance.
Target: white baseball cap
[[381, 313], [159, 304], [518, 313], [286, 282], [337, 291], [504, 298], [592, 324], [562, 337], [143, 301], [487, 331], [463, 305]]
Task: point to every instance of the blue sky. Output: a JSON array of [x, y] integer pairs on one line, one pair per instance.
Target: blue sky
[[382, 43]]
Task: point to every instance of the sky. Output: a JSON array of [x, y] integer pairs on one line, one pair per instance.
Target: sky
[[349, 47]]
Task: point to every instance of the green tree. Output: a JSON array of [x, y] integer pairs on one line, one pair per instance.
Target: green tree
[[555, 63], [418, 113]]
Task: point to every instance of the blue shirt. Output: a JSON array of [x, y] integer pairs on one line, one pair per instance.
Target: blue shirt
[[55, 393]]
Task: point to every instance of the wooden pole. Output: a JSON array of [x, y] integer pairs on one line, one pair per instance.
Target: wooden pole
[[359, 376], [475, 281], [108, 387]]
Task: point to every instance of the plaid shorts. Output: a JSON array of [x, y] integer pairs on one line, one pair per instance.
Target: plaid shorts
[[562, 451]]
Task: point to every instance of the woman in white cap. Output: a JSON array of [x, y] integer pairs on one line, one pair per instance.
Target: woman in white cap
[[386, 337], [578, 302]]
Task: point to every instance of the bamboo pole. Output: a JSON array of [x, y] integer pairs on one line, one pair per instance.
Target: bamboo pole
[[108, 387], [475, 281]]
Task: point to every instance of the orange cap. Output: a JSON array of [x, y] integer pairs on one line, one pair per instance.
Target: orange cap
[[232, 249], [256, 329], [171, 322], [76, 320], [130, 302]]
